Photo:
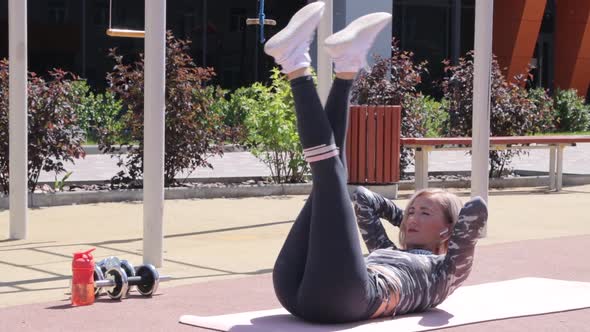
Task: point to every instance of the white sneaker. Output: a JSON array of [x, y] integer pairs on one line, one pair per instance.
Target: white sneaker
[[349, 46], [290, 46]]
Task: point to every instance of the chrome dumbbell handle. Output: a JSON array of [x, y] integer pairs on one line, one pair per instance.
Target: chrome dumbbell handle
[[131, 281]]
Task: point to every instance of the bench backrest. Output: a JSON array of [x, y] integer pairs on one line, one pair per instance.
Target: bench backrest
[[373, 144]]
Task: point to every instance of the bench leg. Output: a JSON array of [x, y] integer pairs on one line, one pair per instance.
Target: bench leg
[[552, 155], [421, 169], [559, 167]]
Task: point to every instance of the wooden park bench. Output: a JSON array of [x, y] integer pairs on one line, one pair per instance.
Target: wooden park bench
[[374, 145], [555, 145]]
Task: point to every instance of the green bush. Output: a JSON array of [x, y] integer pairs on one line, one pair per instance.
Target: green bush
[[572, 114], [194, 131], [271, 129], [234, 111], [511, 110], [394, 81], [97, 113], [54, 135], [543, 120], [434, 114]]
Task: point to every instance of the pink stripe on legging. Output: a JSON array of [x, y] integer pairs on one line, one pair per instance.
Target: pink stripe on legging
[[320, 150], [314, 148], [326, 155]]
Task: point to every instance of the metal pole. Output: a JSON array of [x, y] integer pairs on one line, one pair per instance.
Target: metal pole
[[256, 54], [324, 63], [84, 38], [484, 18], [552, 156], [559, 180], [154, 106], [456, 32], [17, 54], [204, 32]]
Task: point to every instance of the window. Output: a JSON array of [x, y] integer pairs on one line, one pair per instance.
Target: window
[[57, 11], [101, 13], [237, 19], [424, 28], [188, 22]]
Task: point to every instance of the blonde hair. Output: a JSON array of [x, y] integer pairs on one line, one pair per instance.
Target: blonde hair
[[450, 204]]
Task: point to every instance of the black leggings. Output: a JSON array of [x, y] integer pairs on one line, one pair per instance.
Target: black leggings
[[320, 274]]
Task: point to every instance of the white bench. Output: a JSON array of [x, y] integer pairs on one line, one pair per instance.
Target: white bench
[[555, 145]]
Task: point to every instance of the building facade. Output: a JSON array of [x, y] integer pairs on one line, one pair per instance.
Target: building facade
[[71, 34], [552, 35]]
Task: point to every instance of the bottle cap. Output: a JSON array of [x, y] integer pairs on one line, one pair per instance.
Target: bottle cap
[[84, 256]]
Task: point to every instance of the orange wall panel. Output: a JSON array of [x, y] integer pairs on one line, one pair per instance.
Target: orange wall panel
[[516, 28], [506, 21], [518, 65], [505, 34], [581, 78], [572, 45]]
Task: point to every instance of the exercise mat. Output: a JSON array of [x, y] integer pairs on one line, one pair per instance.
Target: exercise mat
[[467, 305]]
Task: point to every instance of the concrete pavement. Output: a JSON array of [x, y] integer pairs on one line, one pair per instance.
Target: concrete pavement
[[228, 238], [244, 164], [493, 263]]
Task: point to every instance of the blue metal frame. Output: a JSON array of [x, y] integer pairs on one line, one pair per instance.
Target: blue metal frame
[[261, 18]]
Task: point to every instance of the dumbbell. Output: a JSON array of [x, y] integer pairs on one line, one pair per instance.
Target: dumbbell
[[103, 265], [116, 280]]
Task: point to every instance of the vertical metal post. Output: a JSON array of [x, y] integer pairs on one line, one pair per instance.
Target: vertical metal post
[[204, 32], [84, 38], [17, 118], [559, 184], [421, 169], [154, 115], [256, 54], [324, 70], [552, 155], [484, 19], [456, 32]]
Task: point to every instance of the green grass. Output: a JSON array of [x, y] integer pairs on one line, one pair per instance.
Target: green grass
[[90, 141], [569, 133]]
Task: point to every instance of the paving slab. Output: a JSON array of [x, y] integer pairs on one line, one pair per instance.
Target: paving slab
[[98, 167], [228, 238], [549, 258]]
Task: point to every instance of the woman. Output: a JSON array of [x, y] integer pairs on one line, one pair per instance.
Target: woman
[[320, 274], [418, 231]]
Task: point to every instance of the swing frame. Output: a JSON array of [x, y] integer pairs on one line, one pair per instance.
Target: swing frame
[[261, 21], [125, 33], [128, 33], [256, 21]]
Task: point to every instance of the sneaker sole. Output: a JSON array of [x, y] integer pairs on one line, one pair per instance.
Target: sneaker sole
[[312, 12]]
